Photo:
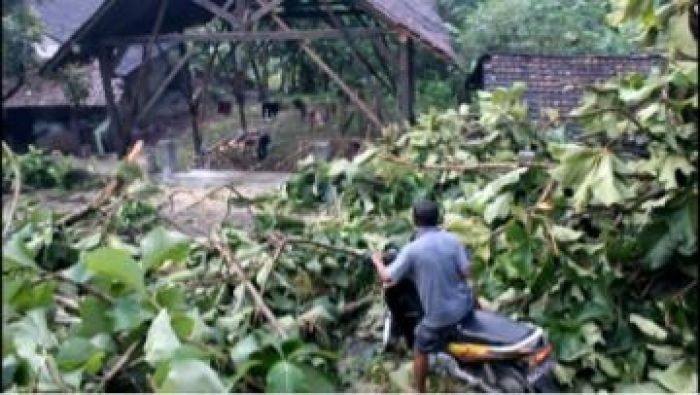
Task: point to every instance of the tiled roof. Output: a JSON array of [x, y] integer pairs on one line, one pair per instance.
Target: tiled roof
[[96, 19], [45, 92]]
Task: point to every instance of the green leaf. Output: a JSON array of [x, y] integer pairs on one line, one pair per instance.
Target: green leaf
[[681, 376], [128, 313], [674, 231], [171, 297], [161, 340], [607, 365], [665, 355], [285, 376], [499, 208], [665, 165], [93, 317], [480, 198], [182, 324], [15, 252], [564, 234], [402, 378], [115, 265], [595, 174], [471, 232], [30, 333], [639, 388], [244, 348], [31, 297], [564, 374], [76, 352], [648, 327], [193, 376], [161, 245]]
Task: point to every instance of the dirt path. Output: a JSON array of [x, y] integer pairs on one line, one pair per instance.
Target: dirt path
[[199, 201], [196, 202]]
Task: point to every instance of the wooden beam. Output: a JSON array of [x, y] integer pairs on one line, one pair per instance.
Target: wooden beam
[[247, 36], [381, 50], [264, 10], [352, 95], [406, 78], [350, 40], [221, 12], [163, 86]]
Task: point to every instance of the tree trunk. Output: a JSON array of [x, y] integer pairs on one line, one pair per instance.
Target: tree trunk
[[241, 112], [196, 136]]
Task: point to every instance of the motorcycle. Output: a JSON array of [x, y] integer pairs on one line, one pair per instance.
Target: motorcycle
[[492, 353]]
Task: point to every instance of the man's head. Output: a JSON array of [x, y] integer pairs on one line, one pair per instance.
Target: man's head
[[426, 213]]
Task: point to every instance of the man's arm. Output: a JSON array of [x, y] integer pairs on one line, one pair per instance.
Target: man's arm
[[391, 274], [464, 261]]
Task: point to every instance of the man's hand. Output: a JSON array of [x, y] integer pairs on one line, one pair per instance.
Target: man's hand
[[377, 258], [381, 269]]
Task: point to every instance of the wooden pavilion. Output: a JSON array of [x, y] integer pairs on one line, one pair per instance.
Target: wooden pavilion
[[116, 26]]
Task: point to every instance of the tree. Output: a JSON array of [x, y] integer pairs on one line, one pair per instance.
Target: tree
[[21, 30], [540, 26]]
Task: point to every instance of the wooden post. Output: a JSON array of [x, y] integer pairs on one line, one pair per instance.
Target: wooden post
[[133, 100], [106, 61], [406, 78]]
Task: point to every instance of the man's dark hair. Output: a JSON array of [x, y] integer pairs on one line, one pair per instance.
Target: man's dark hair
[[426, 213]]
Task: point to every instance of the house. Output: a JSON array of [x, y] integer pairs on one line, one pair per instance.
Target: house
[[114, 24], [554, 81], [40, 112]]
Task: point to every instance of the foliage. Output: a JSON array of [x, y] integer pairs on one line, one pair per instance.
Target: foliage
[[537, 26], [40, 170], [74, 82], [592, 240], [21, 30]]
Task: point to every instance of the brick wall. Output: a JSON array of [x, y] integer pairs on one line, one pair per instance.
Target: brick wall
[[558, 81]]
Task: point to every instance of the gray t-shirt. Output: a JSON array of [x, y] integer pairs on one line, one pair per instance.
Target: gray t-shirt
[[436, 262]]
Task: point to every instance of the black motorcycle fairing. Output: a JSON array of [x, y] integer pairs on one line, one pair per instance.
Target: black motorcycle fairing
[[405, 307]]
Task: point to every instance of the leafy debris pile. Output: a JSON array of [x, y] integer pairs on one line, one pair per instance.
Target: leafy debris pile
[[39, 170], [593, 241]]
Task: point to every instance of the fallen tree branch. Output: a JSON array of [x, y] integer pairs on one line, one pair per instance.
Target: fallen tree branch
[[352, 307], [86, 287], [199, 201], [16, 189], [121, 362], [345, 250], [257, 298], [112, 188], [67, 302], [495, 166], [281, 243]]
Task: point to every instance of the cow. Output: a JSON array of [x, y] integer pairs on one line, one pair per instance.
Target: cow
[[270, 109], [301, 107]]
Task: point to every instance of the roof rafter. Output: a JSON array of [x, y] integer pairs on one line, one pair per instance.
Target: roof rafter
[[248, 36]]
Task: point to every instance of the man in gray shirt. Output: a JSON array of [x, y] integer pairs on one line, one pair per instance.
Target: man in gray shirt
[[437, 263]]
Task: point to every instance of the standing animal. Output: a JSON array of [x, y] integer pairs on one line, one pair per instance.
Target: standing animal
[[270, 109], [301, 107]]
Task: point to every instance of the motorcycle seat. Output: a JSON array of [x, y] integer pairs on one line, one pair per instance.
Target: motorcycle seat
[[491, 328]]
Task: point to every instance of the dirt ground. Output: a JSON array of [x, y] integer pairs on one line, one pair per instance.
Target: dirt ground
[[199, 204], [196, 202]]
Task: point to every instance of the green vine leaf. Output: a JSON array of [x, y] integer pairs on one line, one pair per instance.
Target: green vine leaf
[[116, 265]]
